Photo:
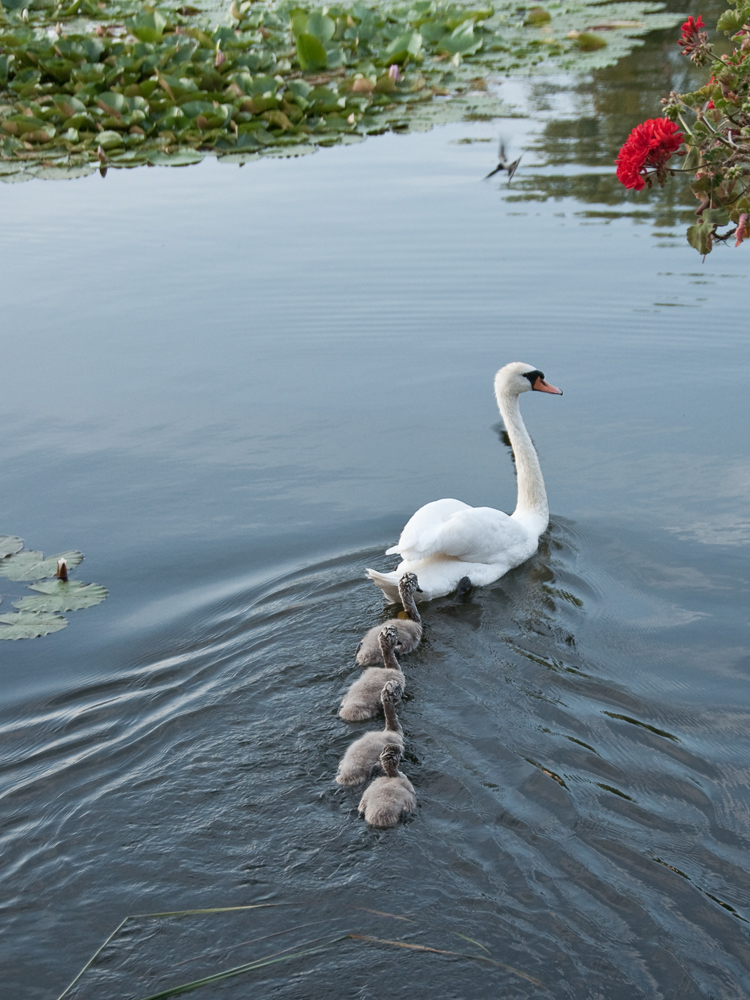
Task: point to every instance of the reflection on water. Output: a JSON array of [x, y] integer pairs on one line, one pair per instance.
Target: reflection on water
[[586, 124], [231, 390]]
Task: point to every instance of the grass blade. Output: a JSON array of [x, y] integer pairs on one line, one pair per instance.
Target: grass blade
[[238, 970], [457, 954]]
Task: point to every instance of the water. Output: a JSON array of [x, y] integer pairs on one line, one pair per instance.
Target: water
[[230, 388]]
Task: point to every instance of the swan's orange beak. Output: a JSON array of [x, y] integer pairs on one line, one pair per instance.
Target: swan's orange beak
[[541, 386]]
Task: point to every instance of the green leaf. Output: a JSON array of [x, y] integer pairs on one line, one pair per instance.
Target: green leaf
[[149, 27], [730, 21], [408, 44], [310, 53], [698, 236], [537, 16], [587, 41], [9, 544], [180, 158], [321, 26], [108, 140], [462, 40], [29, 565], [716, 216], [63, 595], [30, 625]]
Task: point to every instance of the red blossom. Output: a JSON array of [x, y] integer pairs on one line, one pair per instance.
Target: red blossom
[[692, 40], [650, 144]]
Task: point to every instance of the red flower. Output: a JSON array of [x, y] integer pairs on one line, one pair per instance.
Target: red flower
[[649, 145], [692, 40]]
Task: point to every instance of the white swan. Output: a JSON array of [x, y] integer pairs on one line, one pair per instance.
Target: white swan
[[447, 542]]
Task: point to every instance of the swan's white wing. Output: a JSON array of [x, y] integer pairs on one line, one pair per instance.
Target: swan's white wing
[[483, 535], [421, 531]]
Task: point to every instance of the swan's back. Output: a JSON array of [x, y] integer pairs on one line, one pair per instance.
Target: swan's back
[[409, 637]]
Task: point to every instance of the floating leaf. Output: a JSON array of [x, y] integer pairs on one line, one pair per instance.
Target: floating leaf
[[9, 544], [180, 158], [30, 624], [587, 41], [310, 53], [537, 16], [29, 565], [59, 595], [149, 27]]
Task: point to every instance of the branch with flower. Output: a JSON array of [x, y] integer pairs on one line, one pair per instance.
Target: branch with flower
[[709, 129]]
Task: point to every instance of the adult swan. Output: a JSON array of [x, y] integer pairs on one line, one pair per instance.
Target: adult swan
[[447, 542]]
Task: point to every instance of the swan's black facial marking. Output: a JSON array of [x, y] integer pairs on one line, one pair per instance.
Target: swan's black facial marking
[[533, 376]]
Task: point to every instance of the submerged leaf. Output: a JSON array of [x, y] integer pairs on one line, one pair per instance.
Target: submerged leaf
[[29, 565], [63, 595], [30, 624]]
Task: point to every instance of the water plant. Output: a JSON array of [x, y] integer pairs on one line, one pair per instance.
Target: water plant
[[41, 615], [93, 85], [712, 138]]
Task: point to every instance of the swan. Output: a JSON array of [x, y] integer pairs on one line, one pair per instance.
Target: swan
[[409, 630], [447, 542], [387, 799], [363, 754], [362, 700]]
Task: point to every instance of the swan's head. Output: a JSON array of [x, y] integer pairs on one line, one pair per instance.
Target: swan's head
[[388, 637], [518, 377], [392, 692], [390, 758], [409, 584]]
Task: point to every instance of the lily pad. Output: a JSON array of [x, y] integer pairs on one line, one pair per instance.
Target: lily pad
[[29, 565], [30, 624], [9, 545], [63, 595]]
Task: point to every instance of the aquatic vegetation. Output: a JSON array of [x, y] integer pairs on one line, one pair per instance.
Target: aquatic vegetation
[[40, 615], [87, 87], [716, 133]]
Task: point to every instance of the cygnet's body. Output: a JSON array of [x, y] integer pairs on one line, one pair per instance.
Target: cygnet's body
[[362, 700], [388, 799], [409, 630], [359, 760]]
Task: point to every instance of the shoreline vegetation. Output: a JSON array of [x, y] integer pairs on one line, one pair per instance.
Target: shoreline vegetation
[[94, 85], [709, 128]]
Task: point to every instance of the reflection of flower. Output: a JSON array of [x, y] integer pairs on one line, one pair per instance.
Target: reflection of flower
[[650, 144]]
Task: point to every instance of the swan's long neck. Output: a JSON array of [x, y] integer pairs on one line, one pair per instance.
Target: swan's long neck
[[531, 506], [407, 599], [392, 724]]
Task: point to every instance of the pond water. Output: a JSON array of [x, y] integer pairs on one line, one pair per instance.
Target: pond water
[[230, 388]]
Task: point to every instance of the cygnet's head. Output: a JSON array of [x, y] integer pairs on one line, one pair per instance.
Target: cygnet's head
[[518, 377], [388, 637], [390, 758], [392, 692], [409, 584]]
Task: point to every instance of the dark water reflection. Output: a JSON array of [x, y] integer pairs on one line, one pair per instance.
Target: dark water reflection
[[230, 390]]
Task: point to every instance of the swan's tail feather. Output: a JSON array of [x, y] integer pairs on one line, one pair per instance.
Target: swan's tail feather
[[392, 551], [388, 583]]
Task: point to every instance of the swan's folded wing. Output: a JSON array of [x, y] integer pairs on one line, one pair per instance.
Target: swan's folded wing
[[419, 538], [481, 535]]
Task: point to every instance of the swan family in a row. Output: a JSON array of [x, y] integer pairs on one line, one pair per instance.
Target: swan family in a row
[[445, 546]]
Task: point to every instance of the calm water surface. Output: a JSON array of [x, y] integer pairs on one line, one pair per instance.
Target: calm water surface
[[229, 388]]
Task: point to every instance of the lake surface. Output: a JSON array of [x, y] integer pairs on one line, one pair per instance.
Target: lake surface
[[230, 388]]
